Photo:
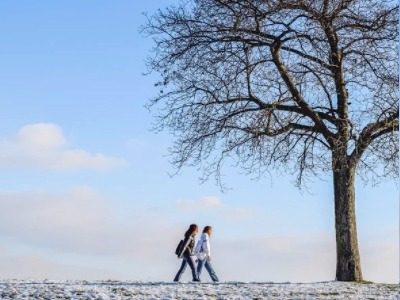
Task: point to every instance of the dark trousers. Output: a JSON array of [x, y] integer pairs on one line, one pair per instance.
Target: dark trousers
[[187, 260]]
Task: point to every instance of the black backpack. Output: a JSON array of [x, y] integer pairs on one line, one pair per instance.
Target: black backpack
[[178, 248]]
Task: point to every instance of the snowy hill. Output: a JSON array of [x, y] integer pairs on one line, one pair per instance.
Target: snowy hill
[[102, 290]]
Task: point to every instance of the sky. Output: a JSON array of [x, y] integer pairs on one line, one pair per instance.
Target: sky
[[85, 186]]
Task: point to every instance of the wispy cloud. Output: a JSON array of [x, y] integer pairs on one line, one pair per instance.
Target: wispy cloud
[[304, 257], [136, 144], [216, 205], [44, 145], [203, 203], [235, 214], [36, 266], [79, 221], [67, 221], [379, 254], [81, 230]]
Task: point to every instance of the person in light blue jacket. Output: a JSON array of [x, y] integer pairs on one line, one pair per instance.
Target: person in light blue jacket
[[203, 253]]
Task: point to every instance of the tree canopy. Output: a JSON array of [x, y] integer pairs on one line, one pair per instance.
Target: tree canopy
[[273, 83]]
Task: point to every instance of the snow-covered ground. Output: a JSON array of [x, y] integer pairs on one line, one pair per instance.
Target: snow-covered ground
[[50, 289]]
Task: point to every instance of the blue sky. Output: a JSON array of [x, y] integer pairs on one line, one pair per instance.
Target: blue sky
[[84, 184]]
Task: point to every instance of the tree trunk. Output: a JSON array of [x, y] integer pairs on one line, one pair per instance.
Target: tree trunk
[[348, 266]]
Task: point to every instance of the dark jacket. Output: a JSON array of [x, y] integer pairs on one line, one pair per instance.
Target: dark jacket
[[188, 245]]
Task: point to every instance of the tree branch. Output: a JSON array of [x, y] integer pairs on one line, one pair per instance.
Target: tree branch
[[373, 131]]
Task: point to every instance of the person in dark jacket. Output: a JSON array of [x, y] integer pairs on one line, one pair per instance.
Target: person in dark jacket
[[186, 252]]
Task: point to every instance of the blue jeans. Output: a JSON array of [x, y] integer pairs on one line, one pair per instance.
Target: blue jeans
[[205, 262], [187, 260]]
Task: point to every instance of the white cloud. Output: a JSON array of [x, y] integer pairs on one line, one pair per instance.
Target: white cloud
[[41, 135], [43, 145]]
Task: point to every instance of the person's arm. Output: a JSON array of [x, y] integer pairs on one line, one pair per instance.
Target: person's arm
[[207, 248], [186, 243]]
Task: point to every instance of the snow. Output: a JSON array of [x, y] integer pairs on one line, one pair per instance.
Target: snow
[[107, 290]]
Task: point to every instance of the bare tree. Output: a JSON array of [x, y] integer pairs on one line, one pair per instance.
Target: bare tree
[[305, 86]]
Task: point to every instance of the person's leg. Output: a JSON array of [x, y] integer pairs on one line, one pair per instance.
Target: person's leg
[[181, 270], [211, 271], [200, 265], [191, 264]]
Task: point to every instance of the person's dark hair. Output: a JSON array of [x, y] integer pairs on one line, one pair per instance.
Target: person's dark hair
[[206, 229], [191, 229]]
